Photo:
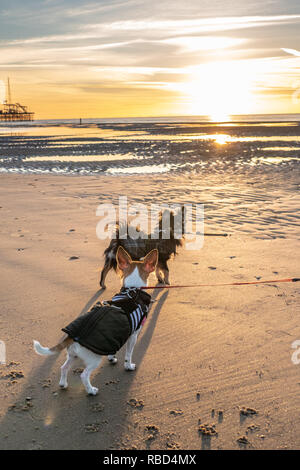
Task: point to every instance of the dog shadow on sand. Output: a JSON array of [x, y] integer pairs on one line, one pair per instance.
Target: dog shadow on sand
[[43, 416]]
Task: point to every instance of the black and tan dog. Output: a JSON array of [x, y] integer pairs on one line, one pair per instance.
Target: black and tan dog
[[165, 243]]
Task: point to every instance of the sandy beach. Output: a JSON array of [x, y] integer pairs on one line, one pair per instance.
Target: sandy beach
[[214, 367], [114, 111]]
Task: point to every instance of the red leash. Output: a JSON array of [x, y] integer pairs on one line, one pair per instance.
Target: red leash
[[274, 281]]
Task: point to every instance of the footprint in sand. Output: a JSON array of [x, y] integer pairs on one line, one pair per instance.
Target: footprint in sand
[[17, 235], [94, 427], [134, 403], [176, 412], [243, 442]]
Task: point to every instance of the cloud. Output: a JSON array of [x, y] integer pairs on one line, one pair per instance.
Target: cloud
[[203, 43], [196, 24], [167, 30], [291, 51], [51, 39], [140, 70], [96, 8]]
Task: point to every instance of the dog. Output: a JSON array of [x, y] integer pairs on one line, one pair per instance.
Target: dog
[[137, 248], [105, 328]]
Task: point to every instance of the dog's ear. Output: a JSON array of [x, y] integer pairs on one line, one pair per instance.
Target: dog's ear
[[150, 261], [123, 258]]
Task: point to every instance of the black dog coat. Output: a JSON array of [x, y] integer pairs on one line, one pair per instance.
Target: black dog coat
[[106, 328]]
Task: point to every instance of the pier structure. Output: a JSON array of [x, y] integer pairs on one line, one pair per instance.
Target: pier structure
[[14, 111]]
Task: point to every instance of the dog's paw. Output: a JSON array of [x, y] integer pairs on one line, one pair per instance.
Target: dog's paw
[[129, 366], [112, 359], [93, 391], [63, 385], [103, 286]]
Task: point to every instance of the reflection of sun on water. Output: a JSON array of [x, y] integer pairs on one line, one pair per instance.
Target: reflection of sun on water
[[222, 139]]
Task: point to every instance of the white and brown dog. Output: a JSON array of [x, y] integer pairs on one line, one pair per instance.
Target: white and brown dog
[[105, 328]]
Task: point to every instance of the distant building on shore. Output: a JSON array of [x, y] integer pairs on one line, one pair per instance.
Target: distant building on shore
[[14, 111]]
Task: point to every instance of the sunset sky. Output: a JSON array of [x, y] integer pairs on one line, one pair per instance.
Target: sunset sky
[[119, 58]]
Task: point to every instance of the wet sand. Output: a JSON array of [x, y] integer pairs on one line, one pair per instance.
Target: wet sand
[[139, 148], [214, 367]]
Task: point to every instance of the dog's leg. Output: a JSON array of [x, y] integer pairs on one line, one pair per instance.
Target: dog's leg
[[104, 272], [128, 364], [112, 359], [85, 377], [63, 383], [91, 361], [166, 276], [158, 274], [165, 271]]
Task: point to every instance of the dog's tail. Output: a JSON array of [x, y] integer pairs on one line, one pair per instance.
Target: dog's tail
[[39, 349], [177, 225]]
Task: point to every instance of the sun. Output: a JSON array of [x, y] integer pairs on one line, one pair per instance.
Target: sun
[[219, 116], [219, 90]]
